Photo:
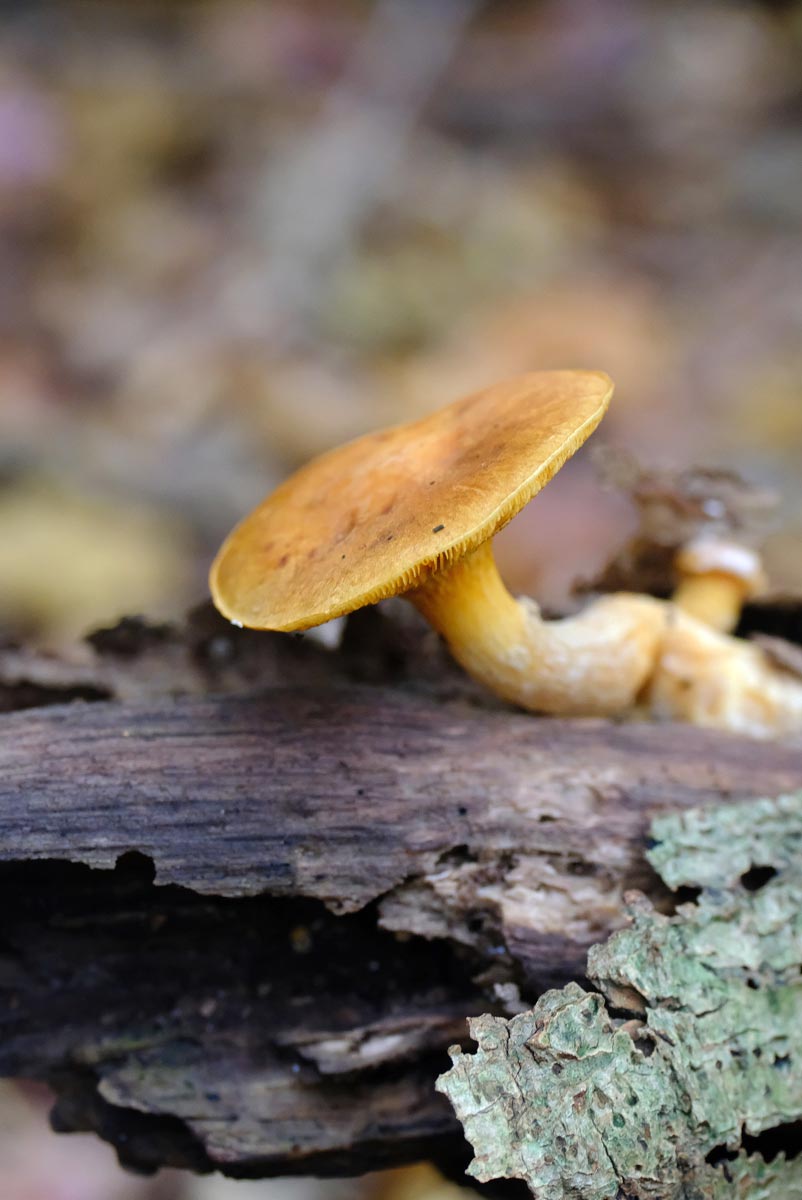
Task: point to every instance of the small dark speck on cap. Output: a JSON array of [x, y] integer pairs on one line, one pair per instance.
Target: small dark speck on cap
[[437, 528]]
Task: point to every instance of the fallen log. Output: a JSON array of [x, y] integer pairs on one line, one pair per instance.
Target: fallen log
[[239, 931]]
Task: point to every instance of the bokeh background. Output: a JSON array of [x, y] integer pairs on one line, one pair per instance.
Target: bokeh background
[[236, 232]]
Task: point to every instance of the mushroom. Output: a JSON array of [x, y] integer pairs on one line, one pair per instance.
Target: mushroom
[[722, 682], [412, 510], [716, 576]]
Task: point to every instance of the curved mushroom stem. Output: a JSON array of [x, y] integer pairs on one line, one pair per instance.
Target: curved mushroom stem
[[711, 679], [621, 650], [716, 599], [716, 577], [595, 663]]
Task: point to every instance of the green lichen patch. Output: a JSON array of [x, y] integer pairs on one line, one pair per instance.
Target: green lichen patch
[[714, 847], [585, 1101]]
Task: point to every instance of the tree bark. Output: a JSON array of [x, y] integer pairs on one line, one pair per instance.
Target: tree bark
[[239, 931]]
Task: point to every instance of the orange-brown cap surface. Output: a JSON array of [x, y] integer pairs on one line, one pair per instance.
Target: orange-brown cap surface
[[375, 517]]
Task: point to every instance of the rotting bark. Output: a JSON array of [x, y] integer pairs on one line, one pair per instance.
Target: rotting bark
[[659, 1087], [239, 929]]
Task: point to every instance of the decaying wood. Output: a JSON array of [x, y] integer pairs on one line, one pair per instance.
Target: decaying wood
[[679, 1075], [224, 996], [239, 930]]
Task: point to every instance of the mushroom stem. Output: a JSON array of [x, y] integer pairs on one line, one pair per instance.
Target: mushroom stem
[[717, 599], [595, 663], [715, 577], [710, 678]]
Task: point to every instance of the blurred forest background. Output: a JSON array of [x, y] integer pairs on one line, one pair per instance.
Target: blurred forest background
[[236, 232]]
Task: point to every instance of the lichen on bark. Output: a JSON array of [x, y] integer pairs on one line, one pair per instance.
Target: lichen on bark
[[646, 1087]]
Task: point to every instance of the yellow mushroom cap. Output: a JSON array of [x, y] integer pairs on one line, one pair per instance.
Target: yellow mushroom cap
[[375, 517]]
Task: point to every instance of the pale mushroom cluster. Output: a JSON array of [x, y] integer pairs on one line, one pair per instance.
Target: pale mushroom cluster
[[412, 511]]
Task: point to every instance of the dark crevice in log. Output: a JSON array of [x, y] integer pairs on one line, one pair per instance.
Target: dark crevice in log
[[780, 1139], [14, 697], [757, 877], [777, 618], [131, 998]]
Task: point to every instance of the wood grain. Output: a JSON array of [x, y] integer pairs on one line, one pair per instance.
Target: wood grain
[[240, 930]]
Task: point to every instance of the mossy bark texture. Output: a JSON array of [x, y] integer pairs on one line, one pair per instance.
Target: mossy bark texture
[[658, 1084]]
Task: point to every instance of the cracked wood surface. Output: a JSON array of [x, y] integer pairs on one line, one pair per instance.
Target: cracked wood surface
[[240, 931], [352, 796], [240, 922]]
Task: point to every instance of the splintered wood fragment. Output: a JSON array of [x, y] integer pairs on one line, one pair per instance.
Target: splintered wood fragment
[[238, 931]]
